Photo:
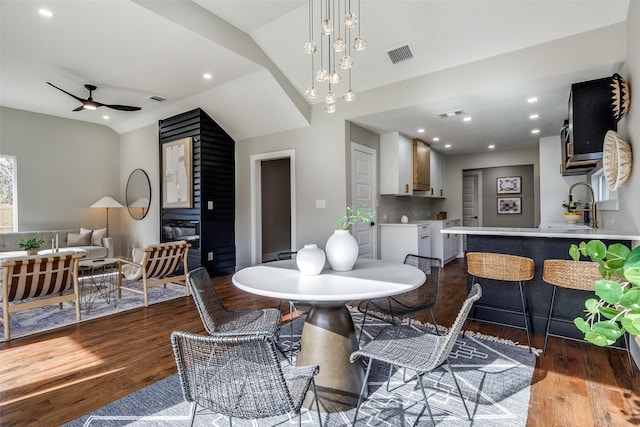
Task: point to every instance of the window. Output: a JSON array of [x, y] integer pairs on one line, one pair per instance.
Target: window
[[8, 194], [607, 200]]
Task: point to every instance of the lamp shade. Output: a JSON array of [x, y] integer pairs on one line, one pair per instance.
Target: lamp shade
[[106, 202]]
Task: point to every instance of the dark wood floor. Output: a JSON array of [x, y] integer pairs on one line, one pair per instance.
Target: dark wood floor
[[53, 377]]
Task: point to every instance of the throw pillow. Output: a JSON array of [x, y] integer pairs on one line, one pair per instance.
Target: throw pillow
[[97, 236], [79, 239]]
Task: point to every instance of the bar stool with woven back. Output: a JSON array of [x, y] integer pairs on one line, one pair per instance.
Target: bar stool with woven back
[[580, 275], [505, 268]]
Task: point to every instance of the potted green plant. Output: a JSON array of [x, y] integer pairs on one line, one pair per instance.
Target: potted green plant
[[616, 309], [572, 214], [342, 248], [31, 245]]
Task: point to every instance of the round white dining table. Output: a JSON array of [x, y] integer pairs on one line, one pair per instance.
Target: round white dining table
[[328, 335]]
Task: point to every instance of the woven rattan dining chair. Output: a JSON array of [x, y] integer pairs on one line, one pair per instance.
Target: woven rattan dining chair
[[402, 346], [580, 275], [218, 320], [408, 304], [240, 376], [505, 268]]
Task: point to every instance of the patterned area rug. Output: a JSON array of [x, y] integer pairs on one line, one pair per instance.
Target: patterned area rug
[[95, 302], [495, 377]]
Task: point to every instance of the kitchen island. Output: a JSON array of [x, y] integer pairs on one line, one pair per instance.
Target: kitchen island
[[537, 244]]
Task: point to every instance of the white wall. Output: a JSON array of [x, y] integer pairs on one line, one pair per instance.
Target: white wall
[[139, 149], [554, 187], [63, 166]]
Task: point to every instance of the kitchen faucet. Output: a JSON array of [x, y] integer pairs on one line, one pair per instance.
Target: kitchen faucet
[[594, 219]]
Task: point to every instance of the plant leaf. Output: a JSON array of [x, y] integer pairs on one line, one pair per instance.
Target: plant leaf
[[574, 252], [596, 338], [609, 330], [631, 325], [596, 250], [632, 274], [609, 312], [582, 325], [631, 299], [609, 291], [592, 305]]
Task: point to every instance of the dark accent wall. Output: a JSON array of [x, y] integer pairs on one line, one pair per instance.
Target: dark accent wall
[[213, 190], [490, 215]]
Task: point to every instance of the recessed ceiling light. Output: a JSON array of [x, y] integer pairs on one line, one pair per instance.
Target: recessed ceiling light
[[467, 119], [534, 116], [45, 12], [420, 130], [532, 99], [436, 139], [491, 147], [105, 117], [207, 76], [534, 131], [447, 146]]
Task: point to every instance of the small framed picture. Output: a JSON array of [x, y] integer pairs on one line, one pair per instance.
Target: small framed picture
[[509, 185], [509, 205]]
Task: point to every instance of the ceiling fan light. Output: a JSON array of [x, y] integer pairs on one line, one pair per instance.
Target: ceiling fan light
[[309, 47], [90, 106], [311, 92], [359, 44], [350, 20]]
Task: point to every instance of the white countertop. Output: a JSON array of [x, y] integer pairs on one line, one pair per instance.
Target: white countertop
[[588, 234], [417, 222]]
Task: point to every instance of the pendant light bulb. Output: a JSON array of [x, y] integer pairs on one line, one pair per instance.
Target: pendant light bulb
[[334, 77], [349, 96], [350, 20], [330, 98], [327, 27], [330, 108], [309, 47], [311, 92], [359, 44], [339, 45], [346, 62], [322, 75]]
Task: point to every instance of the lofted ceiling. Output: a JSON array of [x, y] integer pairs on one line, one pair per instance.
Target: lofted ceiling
[[135, 50]]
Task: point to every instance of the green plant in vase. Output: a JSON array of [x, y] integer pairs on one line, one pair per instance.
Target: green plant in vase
[[354, 216], [31, 245], [616, 309]]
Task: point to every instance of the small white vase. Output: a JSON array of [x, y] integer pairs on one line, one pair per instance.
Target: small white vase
[[404, 219], [310, 260], [342, 250]]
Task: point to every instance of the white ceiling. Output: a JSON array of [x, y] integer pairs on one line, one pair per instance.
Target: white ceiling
[[133, 50]]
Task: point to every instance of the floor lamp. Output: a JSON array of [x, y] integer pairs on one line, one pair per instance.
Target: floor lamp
[[107, 202]]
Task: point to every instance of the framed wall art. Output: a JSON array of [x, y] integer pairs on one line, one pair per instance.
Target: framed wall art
[[509, 185], [177, 175], [509, 205]]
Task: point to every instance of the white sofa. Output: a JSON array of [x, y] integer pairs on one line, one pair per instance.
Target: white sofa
[[94, 247]]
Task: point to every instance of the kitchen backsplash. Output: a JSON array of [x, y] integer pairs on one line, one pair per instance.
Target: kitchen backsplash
[[391, 208]]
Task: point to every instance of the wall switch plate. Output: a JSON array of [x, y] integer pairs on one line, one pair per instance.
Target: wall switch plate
[[210, 256], [210, 205], [320, 204]]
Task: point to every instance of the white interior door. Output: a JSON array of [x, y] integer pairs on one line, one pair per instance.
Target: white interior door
[[363, 192]]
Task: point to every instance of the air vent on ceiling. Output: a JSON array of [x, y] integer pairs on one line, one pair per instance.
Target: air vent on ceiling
[[452, 113], [157, 98], [400, 54]]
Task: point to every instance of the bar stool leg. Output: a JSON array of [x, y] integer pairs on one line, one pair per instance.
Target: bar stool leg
[[546, 332], [525, 314]]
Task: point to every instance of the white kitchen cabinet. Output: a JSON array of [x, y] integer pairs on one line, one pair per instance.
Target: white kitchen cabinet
[[399, 240], [445, 246], [396, 164], [438, 166]]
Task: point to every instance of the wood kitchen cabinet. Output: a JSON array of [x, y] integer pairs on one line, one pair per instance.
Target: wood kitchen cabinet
[[396, 157], [421, 166]]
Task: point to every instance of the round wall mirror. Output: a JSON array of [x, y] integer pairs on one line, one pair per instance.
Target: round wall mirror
[[138, 194]]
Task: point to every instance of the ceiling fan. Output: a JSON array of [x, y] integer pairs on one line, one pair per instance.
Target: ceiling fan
[[90, 104]]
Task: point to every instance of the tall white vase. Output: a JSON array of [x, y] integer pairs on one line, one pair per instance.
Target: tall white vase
[[310, 260], [342, 250]]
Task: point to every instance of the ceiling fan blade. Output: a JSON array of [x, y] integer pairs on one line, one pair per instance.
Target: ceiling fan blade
[[80, 108], [70, 94], [122, 107]]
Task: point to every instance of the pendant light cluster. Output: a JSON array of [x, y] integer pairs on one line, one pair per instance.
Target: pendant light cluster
[[337, 20]]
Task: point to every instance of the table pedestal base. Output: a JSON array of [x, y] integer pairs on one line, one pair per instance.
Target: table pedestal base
[[328, 339]]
